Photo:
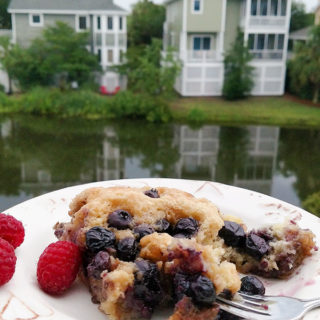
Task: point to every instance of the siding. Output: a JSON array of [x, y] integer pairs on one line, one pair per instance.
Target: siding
[[26, 33], [174, 19], [232, 22], [318, 15], [209, 20]]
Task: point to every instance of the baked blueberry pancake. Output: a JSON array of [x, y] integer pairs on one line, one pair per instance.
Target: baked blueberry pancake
[[143, 249]]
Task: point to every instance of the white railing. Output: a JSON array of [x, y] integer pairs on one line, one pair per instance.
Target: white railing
[[203, 56], [275, 21], [267, 54]]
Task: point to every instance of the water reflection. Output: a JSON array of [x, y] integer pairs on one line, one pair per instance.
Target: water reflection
[[41, 155]]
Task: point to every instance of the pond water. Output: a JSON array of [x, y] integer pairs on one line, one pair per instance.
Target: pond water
[[39, 155]]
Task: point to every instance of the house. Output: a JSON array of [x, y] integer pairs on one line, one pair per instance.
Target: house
[[317, 14], [201, 31], [105, 22]]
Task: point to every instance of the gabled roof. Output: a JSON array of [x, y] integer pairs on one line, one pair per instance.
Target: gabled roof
[[301, 34], [76, 5]]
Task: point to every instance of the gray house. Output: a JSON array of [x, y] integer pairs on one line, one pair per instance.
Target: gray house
[[105, 21]]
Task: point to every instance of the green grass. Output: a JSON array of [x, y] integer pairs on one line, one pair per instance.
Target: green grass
[[279, 111]]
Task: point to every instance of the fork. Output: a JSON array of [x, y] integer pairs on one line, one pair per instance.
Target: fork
[[267, 307]]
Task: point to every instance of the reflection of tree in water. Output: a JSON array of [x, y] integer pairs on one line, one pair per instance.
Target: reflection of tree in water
[[152, 143], [9, 166], [233, 152], [299, 155], [64, 148]]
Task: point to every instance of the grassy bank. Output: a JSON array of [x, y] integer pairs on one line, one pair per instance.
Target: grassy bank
[[280, 111]]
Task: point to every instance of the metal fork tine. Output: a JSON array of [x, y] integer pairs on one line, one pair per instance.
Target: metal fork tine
[[244, 307], [253, 298]]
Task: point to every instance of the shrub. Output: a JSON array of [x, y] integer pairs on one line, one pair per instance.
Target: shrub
[[312, 203], [238, 81], [85, 103], [197, 116]]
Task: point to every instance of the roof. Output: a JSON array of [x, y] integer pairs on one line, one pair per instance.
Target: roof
[[301, 34], [77, 5]]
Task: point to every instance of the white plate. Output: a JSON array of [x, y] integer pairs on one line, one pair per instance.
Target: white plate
[[22, 299]]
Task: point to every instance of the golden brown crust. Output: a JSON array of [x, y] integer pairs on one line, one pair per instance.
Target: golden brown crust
[[92, 207]]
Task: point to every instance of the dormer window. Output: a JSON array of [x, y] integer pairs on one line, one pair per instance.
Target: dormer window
[[36, 20], [197, 6]]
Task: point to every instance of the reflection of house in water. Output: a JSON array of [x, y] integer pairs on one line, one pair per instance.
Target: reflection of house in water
[[198, 152], [110, 165], [258, 170]]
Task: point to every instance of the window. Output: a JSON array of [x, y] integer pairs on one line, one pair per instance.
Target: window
[[266, 46], [196, 43], [197, 6], [283, 7], [110, 23], [268, 7], [110, 55], [201, 43], [98, 23], [271, 41], [280, 41], [263, 7], [99, 55], [82, 23], [36, 20], [260, 44], [274, 8], [254, 7], [120, 23]]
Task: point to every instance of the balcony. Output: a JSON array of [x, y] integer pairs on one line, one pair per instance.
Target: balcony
[[202, 56], [267, 54], [267, 21]]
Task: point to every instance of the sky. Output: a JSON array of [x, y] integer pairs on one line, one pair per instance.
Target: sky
[[310, 4]]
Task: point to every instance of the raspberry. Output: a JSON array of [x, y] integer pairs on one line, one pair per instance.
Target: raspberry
[[8, 261], [11, 230], [58, 267]]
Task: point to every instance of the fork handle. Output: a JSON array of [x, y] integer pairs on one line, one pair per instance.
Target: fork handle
[[312, 303]]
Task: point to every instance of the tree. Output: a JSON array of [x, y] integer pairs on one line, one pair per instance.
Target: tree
[[305, 66], [149, 72], [238, 81], [60, 53], [146, 22], [299, 18], [5, 17], [6, 58]]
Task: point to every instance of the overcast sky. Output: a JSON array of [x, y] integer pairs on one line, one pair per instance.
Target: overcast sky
[[310, 4]]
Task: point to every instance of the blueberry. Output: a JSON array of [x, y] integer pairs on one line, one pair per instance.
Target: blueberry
[[147, 286], [202, 291], [252, 285], [232, 234], [163, 225], [120, 219], [153, 193], [127, 249], [186, 226], [98, 264], [181, 285], [256, 246], [98, 239], [143, 230]]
